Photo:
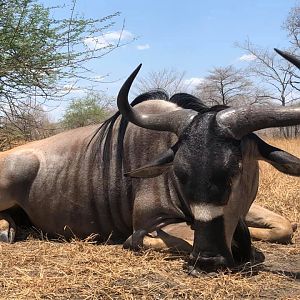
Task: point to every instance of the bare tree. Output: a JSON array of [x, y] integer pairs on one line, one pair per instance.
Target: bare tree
[[23, 123], [279, 77], [276, 75], [227, 86], [274, 72], [292, 26], [169, 80]]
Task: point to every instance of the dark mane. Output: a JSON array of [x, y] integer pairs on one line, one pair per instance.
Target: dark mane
[[188, 101], [103, 135]]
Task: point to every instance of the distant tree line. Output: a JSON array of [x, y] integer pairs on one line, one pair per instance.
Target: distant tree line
[[41, 57], [267, 80]]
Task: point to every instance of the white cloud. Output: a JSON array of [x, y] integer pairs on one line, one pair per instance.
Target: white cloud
[[194, 82], [247, 57], [108, 39], [72, 89], [69, 87], [99, 78], [143, 47]]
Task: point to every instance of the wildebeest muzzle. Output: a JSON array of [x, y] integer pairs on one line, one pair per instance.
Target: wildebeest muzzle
[[210, 251]]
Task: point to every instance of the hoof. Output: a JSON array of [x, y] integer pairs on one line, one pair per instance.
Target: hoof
[[196, 272], [7, 232], [135, 241], [257, 256]]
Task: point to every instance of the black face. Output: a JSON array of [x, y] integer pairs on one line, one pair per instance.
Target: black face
[[205, 165], [206, 162]]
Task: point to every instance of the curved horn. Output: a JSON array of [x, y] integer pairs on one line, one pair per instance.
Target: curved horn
[[174, 121], [291, 58], [243, 120]]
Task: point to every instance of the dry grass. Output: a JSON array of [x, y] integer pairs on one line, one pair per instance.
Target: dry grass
[[40, 269]]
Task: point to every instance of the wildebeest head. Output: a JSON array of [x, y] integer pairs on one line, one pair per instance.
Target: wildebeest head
[[207, 162]]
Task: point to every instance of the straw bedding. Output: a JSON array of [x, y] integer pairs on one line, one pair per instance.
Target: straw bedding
[[36, 268]]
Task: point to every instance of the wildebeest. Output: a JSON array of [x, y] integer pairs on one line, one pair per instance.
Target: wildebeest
[[153, 165]]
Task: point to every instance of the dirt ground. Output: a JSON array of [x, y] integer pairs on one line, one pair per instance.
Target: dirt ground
[[35, 268]]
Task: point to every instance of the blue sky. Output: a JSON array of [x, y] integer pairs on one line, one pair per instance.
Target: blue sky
[[191, 36]]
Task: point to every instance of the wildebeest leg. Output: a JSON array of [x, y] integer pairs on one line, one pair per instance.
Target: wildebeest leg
[[7, 228], [180, 237], [17, 171], [242, 249], [174, 237], [136, 240], [151, 212], [268, 226]]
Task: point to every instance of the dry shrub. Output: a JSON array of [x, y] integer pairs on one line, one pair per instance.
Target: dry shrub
[[42, 269]]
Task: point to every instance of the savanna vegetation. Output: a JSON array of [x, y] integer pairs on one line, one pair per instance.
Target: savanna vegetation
[[40, 69], [44, 58], [41, 59], [36, 268]]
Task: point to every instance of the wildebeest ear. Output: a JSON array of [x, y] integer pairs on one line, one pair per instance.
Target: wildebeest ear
[[156, 167], [280, 159]]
